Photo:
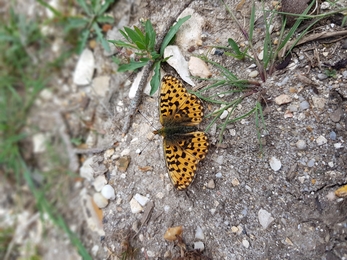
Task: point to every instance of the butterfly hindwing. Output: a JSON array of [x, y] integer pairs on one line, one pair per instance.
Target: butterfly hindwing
[[182, 155]]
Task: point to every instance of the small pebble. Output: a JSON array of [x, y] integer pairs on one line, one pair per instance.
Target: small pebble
[[199, 235], [275, 164], [84, 70], [235, 182], [86, 171], [199, 246], [304, 105], [234, 229], [125, 152], [168, 254], [141, 199], [219, 175], [265, 218], [100, 200], [321, 140], [198, 68], [224, 114], [166, 208], [245, 243], [332, 135], [150, 253], [135, 206], [39, 141], [322, 76], [301, 179], [331, 164], [336, 115], [99, 182], [319, 102], [325, 6], [283, 99], [108, 192], [172, 233], [301, 145], [338, 145], [253, 74], [310, 163], [211, 184]]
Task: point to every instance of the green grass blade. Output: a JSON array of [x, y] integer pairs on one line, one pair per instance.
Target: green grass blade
[[100, 37], [155, 81], [171, 34]]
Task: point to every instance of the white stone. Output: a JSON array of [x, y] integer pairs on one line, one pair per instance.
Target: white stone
[[99, 182], [198, 68], [199, 246], [301, 179], [325, 6], [125, 152], [101, 85], [100, 200], [219, 175], [261, 55], [141, 199], [135, 206], [167, 208], [108, 192], [178, 62], [84, 70], [301, 144], [321, 140], [275, 164], [150, 253], [245, 243], [338, 145], [253, 74], [265, 218], [199, 234], [86, 171], [135, 85], [39, 142], [224, 114], [189, 33]]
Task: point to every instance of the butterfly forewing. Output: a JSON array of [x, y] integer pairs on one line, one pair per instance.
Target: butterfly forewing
[[177, 104]]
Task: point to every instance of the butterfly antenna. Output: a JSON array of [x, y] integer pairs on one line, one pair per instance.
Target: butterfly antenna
[[150, 123]]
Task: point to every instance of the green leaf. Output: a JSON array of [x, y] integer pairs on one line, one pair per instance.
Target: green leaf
[[132, 35], [105, 6], [122, 44], [150, 36], [124, 35], [139, 33], [85, 7], [82, 41], [51, 8], [155, 81], [100, 37], [105, 19], [140, 45], [172, 32], [131, 66]]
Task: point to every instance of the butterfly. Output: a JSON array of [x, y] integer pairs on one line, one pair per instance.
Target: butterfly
[[179, 114]]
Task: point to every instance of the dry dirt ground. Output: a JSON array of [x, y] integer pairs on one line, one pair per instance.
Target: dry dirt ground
[[306, 222]]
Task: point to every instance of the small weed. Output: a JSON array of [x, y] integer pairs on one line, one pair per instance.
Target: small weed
[[86, 25], [144, 42]]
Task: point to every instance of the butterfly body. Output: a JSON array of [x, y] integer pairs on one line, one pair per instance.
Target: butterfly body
[[184, 146]]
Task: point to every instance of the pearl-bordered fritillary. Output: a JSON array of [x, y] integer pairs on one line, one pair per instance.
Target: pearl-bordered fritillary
[[184, 146]]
